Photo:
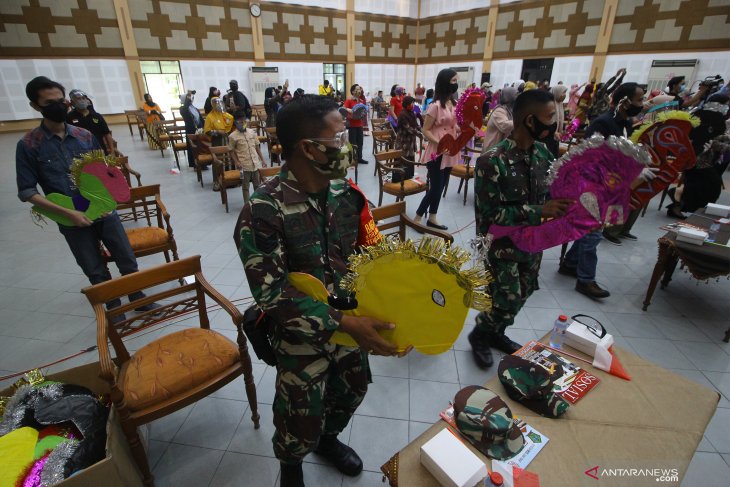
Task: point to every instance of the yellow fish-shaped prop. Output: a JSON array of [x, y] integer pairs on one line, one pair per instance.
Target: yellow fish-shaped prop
[[418, 286]]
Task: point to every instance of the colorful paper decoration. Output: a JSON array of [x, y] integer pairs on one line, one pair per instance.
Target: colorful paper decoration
[[469, 117], [418, 286], [596, 174], [101, 186], [668, 142]]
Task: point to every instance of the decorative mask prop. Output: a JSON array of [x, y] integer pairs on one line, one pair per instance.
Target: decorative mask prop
[[418, 286], [469, 116], [596, 174], [667, 140]]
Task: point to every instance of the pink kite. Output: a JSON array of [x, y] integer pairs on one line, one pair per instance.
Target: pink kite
[[597, 174]]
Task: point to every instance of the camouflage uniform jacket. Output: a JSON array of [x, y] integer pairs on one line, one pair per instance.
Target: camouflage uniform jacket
[[510, 187], [282, 230]]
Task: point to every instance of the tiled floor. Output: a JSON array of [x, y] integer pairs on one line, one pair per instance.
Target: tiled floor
[[44, 317]]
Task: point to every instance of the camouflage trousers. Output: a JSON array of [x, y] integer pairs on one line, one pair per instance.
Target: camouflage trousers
[[316, 395], [513, 283]]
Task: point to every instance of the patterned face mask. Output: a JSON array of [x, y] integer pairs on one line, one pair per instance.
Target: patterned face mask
[[338, 160]]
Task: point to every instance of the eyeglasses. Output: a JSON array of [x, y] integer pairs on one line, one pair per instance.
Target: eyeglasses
[[594, 326], [339, 141]]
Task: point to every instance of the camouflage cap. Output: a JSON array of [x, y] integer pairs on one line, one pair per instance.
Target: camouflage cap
[[531, 385], [486, 421]]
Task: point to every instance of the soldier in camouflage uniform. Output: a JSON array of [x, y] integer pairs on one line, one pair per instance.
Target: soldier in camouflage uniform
[[306, 219], [510, 189]]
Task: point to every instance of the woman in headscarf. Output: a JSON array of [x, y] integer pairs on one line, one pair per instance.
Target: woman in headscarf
[[154, 115], [553, 142], [573, 97], [500, 123], [584, 104], [519, 85], [271, 105], [213, 92]]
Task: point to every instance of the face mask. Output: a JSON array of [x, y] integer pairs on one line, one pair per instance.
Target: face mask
[[634, 110], [338, 160], [241, 126], [82, 104], [233, 86], [409, 108], [55, 111], [681, 87], [538, 132], [454, 87]]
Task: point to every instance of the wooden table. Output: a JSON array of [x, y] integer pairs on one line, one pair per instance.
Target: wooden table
[[656, 420], [702, 261]]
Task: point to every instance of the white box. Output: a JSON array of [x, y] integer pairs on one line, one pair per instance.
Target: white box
[[691, 236], [451, 462], [717, 210], [579, 337]]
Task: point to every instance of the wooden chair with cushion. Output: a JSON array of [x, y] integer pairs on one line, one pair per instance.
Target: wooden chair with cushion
[[175, 370], [268, 172], [464, 171], [273, 145], [383, 140], [201, 155], [175, 136], [225, 171], [390, 162], [134, 120], [393, 220], [157, 236]]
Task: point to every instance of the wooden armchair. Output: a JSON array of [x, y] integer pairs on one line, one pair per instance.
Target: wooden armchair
[[176, 369], [225, 171], [135, 118], [273, 145], [203, 158], [464, 171], [156, 236], [383, 140], [390, 217], [391, 162], [128, 172], [175, 136]]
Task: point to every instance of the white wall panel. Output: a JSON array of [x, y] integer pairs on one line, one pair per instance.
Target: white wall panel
[[505, 71], [200, 75], [574, 69], [427, 72], [638, 65], [430, 8], [374, 77], [337, 4], [400, 8], [105, 80], [307, 76]]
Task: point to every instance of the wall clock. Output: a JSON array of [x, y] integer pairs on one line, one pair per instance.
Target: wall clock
[[255, 9]]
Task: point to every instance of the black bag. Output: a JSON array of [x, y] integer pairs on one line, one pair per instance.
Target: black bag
[[258, 327]]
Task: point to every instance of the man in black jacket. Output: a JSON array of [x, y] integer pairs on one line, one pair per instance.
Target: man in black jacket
[[193, 121]]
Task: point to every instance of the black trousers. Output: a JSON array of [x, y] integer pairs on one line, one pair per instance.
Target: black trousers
[[84, 245], [355, 135], [437, 178]]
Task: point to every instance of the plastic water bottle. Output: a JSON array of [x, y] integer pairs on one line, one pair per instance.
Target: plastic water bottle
[[558, 334]]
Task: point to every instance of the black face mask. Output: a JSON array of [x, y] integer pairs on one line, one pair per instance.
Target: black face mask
[[55, 111], [540, 128], [634, 110], [454, 87]]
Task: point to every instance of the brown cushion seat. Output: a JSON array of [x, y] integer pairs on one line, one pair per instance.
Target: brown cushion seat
[[459, 171], [181, 145], [174, 364], [146, 237], [205, 158], [232, 176], [409, 186]]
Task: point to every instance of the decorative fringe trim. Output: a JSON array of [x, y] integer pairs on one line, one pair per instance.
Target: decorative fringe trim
[[661, 118], [474, 281], [621, 144], [87, 158]]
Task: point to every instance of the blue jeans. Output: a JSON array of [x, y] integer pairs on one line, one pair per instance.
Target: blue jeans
[[583, 256]]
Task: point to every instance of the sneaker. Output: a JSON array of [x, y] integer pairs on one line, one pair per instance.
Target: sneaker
[[611, 239], [591, 289], [480, 349], [568, 271], [628, 236]]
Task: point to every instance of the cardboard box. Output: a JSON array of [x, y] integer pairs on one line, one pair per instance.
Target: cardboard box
[[691, 236], [722, 211], [451, 462], [579, 337], [118, 468]]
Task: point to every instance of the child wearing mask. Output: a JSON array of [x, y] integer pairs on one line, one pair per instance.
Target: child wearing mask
[[247, 155]]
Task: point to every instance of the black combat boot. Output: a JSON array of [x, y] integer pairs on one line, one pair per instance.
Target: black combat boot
[[342, 456], [479, 342], [291, 475], [501, 342]]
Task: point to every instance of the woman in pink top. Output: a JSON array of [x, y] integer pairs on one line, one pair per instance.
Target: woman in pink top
[[440, 120], [573, 98]]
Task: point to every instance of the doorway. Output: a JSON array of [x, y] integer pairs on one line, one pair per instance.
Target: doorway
[[335, 74], [163, 81], [537, 69]]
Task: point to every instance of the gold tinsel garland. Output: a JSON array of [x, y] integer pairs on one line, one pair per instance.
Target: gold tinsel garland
[[80, 162], [474, 281], [663, 117]]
